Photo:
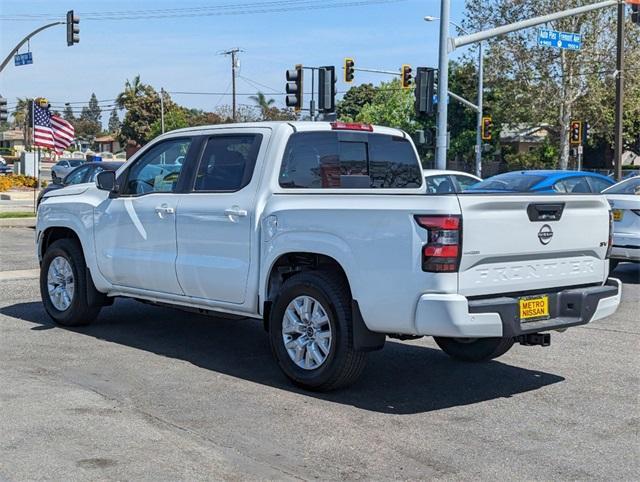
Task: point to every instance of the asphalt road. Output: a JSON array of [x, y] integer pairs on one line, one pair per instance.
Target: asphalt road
[[157, 394]]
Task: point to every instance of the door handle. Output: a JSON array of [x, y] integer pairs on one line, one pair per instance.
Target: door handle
[[164, 209], [235, 211]]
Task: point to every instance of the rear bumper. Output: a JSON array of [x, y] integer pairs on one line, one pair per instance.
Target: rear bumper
[[626, 247], [456, 316]]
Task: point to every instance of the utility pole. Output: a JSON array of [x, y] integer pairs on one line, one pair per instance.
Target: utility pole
[[480, 108], [234, 67], [619, 92], [443, 87], [162, 108]]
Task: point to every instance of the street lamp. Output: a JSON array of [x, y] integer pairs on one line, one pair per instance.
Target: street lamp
[[430, 18]]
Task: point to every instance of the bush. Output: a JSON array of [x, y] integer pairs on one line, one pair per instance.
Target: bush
[[12, 181]]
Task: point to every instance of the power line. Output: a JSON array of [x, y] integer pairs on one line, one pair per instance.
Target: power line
[[219, 10]]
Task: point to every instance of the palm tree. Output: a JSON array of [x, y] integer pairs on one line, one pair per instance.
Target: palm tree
[[19, 113], [132, 90], [263, 103]]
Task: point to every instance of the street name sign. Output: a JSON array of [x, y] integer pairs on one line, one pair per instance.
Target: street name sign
[[24, 59], [560, 40]]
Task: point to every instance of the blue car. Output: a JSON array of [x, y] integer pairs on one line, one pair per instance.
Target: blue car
[[544, 182]]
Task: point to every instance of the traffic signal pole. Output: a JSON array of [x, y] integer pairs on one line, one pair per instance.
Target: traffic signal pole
[[443, 87], [24, 41], [619, 93], [480, 108]]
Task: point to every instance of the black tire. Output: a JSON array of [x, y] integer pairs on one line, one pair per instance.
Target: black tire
[[613, 264], [82, 309], [474, 350], [343, 364]]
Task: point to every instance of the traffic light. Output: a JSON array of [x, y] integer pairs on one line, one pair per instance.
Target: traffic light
[[4, 113], [487, 128], [635, 13], [406, 76], [349, 70], [327, 89], [73, 28], [294, 88], [576, 133], [587, 132], [425, 88]]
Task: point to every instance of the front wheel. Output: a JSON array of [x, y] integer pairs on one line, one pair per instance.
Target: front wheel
[[311, 332], [64, 285], [474, 349]]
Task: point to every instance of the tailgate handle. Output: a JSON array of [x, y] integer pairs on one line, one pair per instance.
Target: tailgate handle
[[545, 212]]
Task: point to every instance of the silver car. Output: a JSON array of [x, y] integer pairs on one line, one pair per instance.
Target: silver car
[[64, 167]]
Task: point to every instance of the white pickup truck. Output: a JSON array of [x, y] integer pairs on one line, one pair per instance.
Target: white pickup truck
[[324, 231]]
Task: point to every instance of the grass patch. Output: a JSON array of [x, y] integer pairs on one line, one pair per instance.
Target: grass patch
[[17, 214]]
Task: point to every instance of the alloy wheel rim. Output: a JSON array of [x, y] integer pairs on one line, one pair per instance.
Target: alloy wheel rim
[[306, 332], [60, 283]]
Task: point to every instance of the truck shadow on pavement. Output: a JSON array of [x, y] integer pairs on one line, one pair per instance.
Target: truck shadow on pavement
[[401, 379]]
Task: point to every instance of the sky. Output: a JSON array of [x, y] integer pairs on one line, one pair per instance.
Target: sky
[[183, 53]]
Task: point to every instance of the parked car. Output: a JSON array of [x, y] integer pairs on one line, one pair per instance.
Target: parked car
[[321, 230], [64, 167], [624, 199], [445, 182], [545, 182], [4, 168], [86, 172]]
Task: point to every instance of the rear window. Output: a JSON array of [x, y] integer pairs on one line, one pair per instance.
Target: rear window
[[349, 160], [511, 181]]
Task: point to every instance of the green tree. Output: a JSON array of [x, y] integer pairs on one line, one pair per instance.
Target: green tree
[[175, 118], [354, 100], [68, 113], [19, 113], [93, 112], [537, 85], [263, 103], [114, 122], [391, 106], [142, 104]]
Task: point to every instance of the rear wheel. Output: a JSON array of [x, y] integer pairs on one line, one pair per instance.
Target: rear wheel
[[474, 349], [311, 332], [613, 264], [64, 285]]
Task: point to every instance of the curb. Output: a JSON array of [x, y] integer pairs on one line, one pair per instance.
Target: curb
[[18, 223], [17, 196]]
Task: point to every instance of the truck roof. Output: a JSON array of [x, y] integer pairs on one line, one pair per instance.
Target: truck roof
[[302, 126]]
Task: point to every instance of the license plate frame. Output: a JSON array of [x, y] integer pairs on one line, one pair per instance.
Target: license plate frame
[[534, 308], [618, 215]]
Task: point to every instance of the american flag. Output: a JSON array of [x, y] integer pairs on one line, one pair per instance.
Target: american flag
[[51, 131]]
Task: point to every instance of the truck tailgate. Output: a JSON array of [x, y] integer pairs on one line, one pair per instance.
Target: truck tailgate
[[522, 243]]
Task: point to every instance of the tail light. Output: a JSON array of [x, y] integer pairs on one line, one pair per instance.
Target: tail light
[[442, 252], [610, 244]]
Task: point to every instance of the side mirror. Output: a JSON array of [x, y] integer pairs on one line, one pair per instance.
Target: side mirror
[[106, 181], [57, 180]]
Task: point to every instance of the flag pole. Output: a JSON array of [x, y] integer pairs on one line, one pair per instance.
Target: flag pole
[[33, 144]]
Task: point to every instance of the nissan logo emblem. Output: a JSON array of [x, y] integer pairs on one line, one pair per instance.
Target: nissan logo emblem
[[545, 234]]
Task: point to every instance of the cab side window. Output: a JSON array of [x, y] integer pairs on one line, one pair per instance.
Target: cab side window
[[158, 169], [228, 162]]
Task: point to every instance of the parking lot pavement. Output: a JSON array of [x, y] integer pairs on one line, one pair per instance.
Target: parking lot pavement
[[154, 393]]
